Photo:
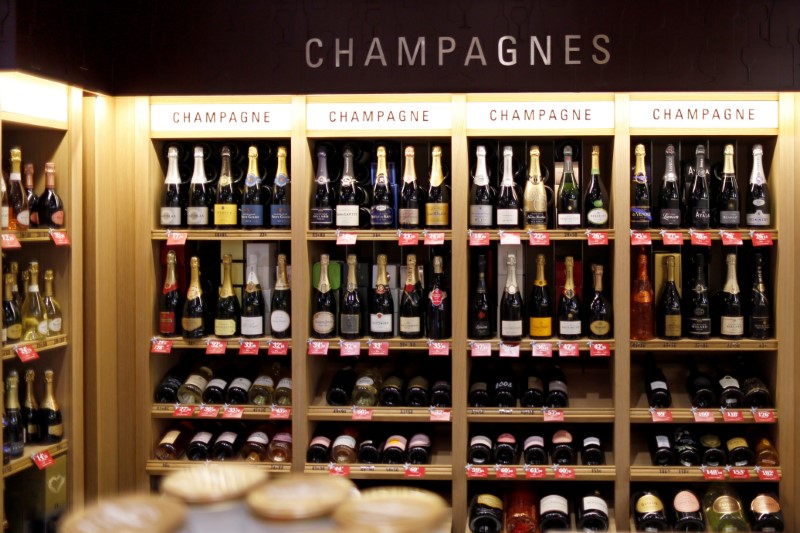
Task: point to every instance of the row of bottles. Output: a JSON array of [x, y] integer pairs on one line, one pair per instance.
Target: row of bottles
[[683, 447], [562, 448], [27, 315], [503, 387], [387, 388], [225, 442], [350, 446], [20, 207], [32, 422]]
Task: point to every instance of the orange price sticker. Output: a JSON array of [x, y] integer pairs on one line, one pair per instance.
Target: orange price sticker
[[597, 238], [434, 238], [408, 239], [565, 472], [340, 470], [183, 411], [233, 412], [318, 348]]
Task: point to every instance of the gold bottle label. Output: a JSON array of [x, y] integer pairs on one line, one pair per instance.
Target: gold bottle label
[[600, 327], [672, 325], [765, 504], [649, 503], [726, 505], [736, 442], [490, 500], [191, 324], [437, 214], [225, 214], [541, 327], [56, 430], [14, 332], [224, 327]]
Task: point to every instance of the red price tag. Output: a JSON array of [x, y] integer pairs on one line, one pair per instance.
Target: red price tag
[[661, 415], [408, 239], [565, 472], [280, 413], [509, 350], [439, 348], [640, 238], [553, 415], [249, 347], [509, 238], [700, 238], [568, 349], [714, 474], [378, 349], [506, 472], [176, 238], [732, 416], [346, 239], [26, 352], [537, 238], [214, 347], [769, 474], [183, 411], [479, 239], [10, 241], [361, 413], [599, 349], [59, 238], [415, 471], [233, 412], [340, 470], [434, 238], [542, 349], [42, 459], [350, 349], [161, 346], [440, 415], [731, 238], [672, 238], [739, 473], [535, 472], [597, 238], [477, 472], [278, 348], [704, 416], [208, 411], [764, 416], [318, 348], [481, 349], [761, 238]]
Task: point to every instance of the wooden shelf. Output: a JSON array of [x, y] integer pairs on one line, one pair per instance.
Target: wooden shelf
[[526, 345], [251, 412], [581, 473], [33, 235], [383, 471], [554, 234], [379, 414], [23, 463], [231, 344], [692, 345], [655, 234], [227, 235], [683, 416], [536, 414], [686, 474], [162, 468], [374, 235], [395, 343], [50, 343]]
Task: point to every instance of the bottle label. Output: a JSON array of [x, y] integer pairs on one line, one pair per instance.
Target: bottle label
[[381, 215], [365, 381], [480, 440], [534, 440], [350, 324], [729, 218], [569, 219], [729, 381], [319, 440], [736, 442], [4, 335], [283, 437], [701, 217], [280, 215], [54, 326], [170, 437], [662, 441], [541, 327], [600, 327], [710, 441], [670, 218], [324, 322], [259, 437], [558, 386], [672, 325], [166, 322], [409, 216], [252, 215], [252, 325], [554, 503], [380, 322], [569, 327], [536, 218], [170, 216], [764, 504], [224, 327], [410, 324], [396, 441], [759, 326], [285, 383], [420, 440], [347, 216], [225, 214], [345, 440], [490, 500], [437, 214], [14, 332], [437, 296], [241, 383], [757, 219], [511, 328], [732, 325], [507, 217], [4, 217], [57, 218], [42, 328], [593, 503], [202, 436], [480, 215], [507, 438], [640, 216], [197, 216], [322, 216], [726, 504], [218, 383], [597, 216], [686, 502], [24, 218], [197, 381], [649, 503], [658, 385], [591, 441], [535, 383], [191, 324], [280, 320], [264, 381], [227, 436], [700, 327]]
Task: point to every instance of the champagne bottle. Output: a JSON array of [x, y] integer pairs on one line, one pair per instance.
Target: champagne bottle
[[280, 314], [759, 315], [391, 393], [592, 452], [173, 442], [642, 302], [508, 202], [51, 427], [319, 450], [52, 309], [592, 513], [729, 390], [170, 304], [347, 208], [410, 194], [766, 513], [419, 449], [12, 316], [411, 326], [280, 212], [713, 454], [343, 450], [382, 210], [171, 205], [34, 320], [739, 453], [51, 208], [569, 196], [5, 213], [369, 451], [641, 216], [394, 450], [534, 198], [723, 510], [381, 318], [600, 311], [687, 448], [533, 395], [486, 514], [238, 390], [596, 199], [505, 389], [649, 512], [14, 430], [700, 200], [226, 322], [325, 195], [686, 512], [252, 324], [698, 321], [365, 391], [15, 287], [569, 306], [30, 193], [350, 317], [670, 199], [30, 410], [554, 513], [200, 194], [731, 319], [534, 452], [437, 206], [417, 392], [441, 395], [194, 307], [214, 392], [655, 386], [757, 210], [728, 199], [437, 312], [661, 451], [481, 195], [511, 304], [540, 309], [191, 392], [20, 214], [323, 322], [480, 326], [262, 391], [479, 391], [256, 193], [669, 306]]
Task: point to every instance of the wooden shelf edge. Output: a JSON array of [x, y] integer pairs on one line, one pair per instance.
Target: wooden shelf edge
[[553, 234], [582, 473], [715, 233], [379, 414], [526, 345], [641, 415], [691, 345], [374, 235], [160, 468], [689, 474], [230, 344], [51, 343], [382, 471], [25, 462], [251, 412], [33, 235], [535, 414], [226, 235], [395, 343]]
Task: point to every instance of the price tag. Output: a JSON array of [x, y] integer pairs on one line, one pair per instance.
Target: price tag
[[438, 348], [440, 415], [318, 348], [761, 238], [731, 238], [215, 347], [183, 411], [739, 473], [565, 472], [280, 413], [477, 472], [479, 239], [208, 411], [10, 241], [538, 238], [278, 348], [568, 349], [599, 349], [672, 238], [42, 459], [732, 416], [661, 415], [161, 346], [714, 474], [380, 349], [763, 416], [640, 238], [340, 470], [481, 349], [362, 413], [26, 352], [176, 238], [233, 412], [509, 238], [408, 239], [700, 238], [60, 238], [509, 350], [414, 471], [350, 349], [768, 474], [597, 238], [506, 472], [703, 416], [249, 347], [535, 472], [346, 239], [542, 349], [434, 238], [553, 415]]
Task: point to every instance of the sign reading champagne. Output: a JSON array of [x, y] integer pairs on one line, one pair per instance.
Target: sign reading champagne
[[693, 114], [220, 117], [400, 116], [589, 115]]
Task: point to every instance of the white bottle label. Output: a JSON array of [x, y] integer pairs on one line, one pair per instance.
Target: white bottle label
[[557, 386], [280, 320], [241, 383], [409, 324], [569, 327], [347, 216], [757, 219], [365, 381], [197, 216], [380, 322], [732, 325], [658, 385], [507, 217], [345, 440], [170, 216], [511, 328], [228, 436], [480, 439], [480, 215], [218, 382], [535, 440], [43, 327], [55, 326], [323, 322], [591, 441], [4, 335], [264, 381], [554, 503], [729, 381], [593, 503], [569, 219], [597, 216], [662, 441], [197, 381], [4, 217], [24, 217], [285, 383], [252, 325], [202, 436], [260, 437]]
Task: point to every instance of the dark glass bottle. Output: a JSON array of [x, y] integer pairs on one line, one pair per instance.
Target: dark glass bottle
[[341, 387], [214, 391], [391, 393], [641, 216], [199, 447], [411, 319], [758, 317], [592, 513], [348, 210], [381, 320], [253, 309], [648, 512], [20, 215], [569, 306], [369, 451], [557, 394], [226, 208], [486, 514], [480, 311], [729, 391], [440, 394], [540, 308], [562, 448], [173, 442], [669, 199], [642, 302], [687, 449], [596, 199], [12, 315], [569, 196], [701, 388], [280, 211], [504, 391], [194, 307], [508, 211], [766, 513], [437, 311], [686, 512], [394, 450], [237, 391], [479, 392], [511, 304], [480, 450], [522, 513], [757, 205], [51, 208], [728, 198], [382, 210], [601, 320], [51, 425], [167, 390], [171, 301], [554, 513], [661, 450], [534, 452], [323, 322], [739, 452], [669, 306], [505, 449], [280, 307], [655, 386], [171, 204], [417, 392], [254, 449], [534, 394], [227, 444], [481, 195], [700, 203], [30, 410], [437, 203], [319, 450], [14, 430], [713, 454], [256, 193], [592, 452], [350, 317], [322, 213], [411, 196], [698, 314], [226, 321], [731, 318], [419, 449]]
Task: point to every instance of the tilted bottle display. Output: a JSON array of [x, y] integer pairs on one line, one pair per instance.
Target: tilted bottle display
[[670, 197], [648, 512], [381, 318], [323, 304], [201, 194], [723, 510], [481, 195], [569, 196], [280, 306], [322, 212], [569, 306], [226, 321], [171, 203], [486, 514], [641, 215], [511, 305], [256, 193], [194, 307], [382, 210], [280, 212], [5, 210], [437, 203], [252, 320], [728, 198], [766, 513], [540, 309], [554, 513], [411, 197], [700, 202], [686, 512], [596, 199], [508, 201], [592, 513], [534, 197], [758, 201]]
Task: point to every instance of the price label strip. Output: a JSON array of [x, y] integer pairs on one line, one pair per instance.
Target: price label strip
[[26, 352]]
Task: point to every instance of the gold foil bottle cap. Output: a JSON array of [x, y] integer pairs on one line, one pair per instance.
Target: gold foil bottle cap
[[639, 150], [281, 151], [436, 151], [409, 151], [252, 152], [534, 151]]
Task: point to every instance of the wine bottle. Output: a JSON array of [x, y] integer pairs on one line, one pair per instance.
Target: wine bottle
[[592, 452], [739, 452], [201, 194], [394, 450], [723, 510], [5, 211], [171, 204], [194, 307], [350, 317], [365, 391], [686, 512], [698, 322], [214, 392], [382, 210], [14, 427], [51, 208], [700, 201], [596, 199], [669, 305], [481, 195], [505, 449], [661, 451], [642, 303], [766, 513], [480, 326], [486, 514], [319, 450], [701, 388], [369, 451], [391, 393], [480, 450], [437, 206], [173, 443], [437, 311], [34, 320], [171, 304], [226, 322], [323, 304], [280, 212], [508, 201], [238, 390], [670, 199], [280, 314], [167, 390], [729, 391], [569, 196], [280, 449], [12, 316], [411, 325], [713, 454], [227, 445], [52, 308], [347, 208], [256, 193], [191, 392], [417, 392], [534, 394], [649, 512], [504, 391], [655, 386], [411, 197], [731, 319], [381, 318], [540, 311], [30, 411], [15, 287], [592, 513], [600, 311], [479, 392], [534, 452], [757, 210], [759, 313], [756, 393], [283, 387], [254, 449], [561, 448], [511, 305], [262, 391], [557, 392], [728, 198], [554, 513], [641, 216], [687, 448], [252, 324], [325, 195], [534, 198], [20, 214], [569, 306], [51, 426], [344, 450], [441, 395]]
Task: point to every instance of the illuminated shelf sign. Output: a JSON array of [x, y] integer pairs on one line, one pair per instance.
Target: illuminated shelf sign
[[253, 117], [688, 114], [379, 116], [540, 115]]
